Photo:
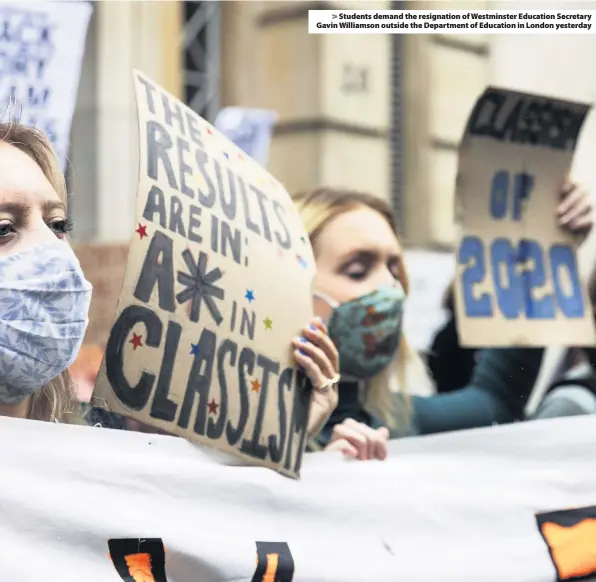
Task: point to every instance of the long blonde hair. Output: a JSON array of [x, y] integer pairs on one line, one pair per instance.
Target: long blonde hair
[[316, 209], [55, 401]]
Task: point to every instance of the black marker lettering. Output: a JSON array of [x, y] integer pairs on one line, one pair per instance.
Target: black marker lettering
[[149, 91], [227, 348], [299, 420], [253, 447], [252, 226], [194, 223], [174, 113], [193, 129], [262, 198], [246, 365], [285, 242], [199, 383], [158, 144], [133, 397], [284, 385], [229, 206], [207, 199], [176, 222], [185, 169], [158, 269], [163, 408], [156, 203]]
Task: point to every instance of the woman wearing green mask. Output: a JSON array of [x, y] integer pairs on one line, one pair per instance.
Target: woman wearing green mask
[[359, 290]]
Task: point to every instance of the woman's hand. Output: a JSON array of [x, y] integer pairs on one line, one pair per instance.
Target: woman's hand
[[317, 355], [358, 441], [575, 211]]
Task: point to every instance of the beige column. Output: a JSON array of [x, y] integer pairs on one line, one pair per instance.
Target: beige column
[[331, 93], [143, 35], [445, 75]]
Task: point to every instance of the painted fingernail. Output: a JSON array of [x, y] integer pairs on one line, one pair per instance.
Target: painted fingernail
[[312, 327], [319, 319], [302, 340]]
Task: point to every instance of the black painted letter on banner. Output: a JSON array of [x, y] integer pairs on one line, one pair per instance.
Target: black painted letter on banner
[[139, 559], [570, 536], [274, 563]]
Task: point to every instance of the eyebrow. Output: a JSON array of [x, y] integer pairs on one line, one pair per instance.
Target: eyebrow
[[364, 254], [20, 208], [52, 205]]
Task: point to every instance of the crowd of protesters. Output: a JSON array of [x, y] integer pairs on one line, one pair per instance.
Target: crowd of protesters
[[368, 384]]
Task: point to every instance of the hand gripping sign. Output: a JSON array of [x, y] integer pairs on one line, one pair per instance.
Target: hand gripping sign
[[517, 273], [218, 282]]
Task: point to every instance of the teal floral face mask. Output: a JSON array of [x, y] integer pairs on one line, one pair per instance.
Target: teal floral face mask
[[366, 331]]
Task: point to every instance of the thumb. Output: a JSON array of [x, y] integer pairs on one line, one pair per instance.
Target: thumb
[[384, 432]]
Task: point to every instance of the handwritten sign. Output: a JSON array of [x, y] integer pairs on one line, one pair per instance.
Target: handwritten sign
[[517, 276], [41, 49], [217, 285]]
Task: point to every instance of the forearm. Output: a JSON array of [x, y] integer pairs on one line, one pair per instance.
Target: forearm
[[500, 387]]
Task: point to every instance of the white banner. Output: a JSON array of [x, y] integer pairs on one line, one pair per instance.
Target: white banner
[[41, 49], [89, 503]]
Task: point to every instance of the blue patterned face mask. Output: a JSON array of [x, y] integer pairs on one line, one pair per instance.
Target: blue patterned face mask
[[44, 309], [366, 331]]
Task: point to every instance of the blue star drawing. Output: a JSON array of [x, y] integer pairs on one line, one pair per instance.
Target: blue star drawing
[[302, 262], [250, 295], [194, 349], [200, 286]]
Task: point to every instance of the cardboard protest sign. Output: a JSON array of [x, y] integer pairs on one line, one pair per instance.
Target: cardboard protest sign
[[217, 285], [41, 48], [103, 265], [517, 280]]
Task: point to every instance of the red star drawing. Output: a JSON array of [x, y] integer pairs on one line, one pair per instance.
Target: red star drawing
[[209, 131], [142, 231], [256, 385], [212, 406], [136, 341]]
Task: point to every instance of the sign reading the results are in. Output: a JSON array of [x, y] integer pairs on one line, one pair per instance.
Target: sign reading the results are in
[[217, 285], [518, 281]]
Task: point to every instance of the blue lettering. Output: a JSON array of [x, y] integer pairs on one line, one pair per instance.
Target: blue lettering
[[507, 288], [524, 183], [518, 293], [532, 279], [471, 254], [562, 259], [498, 194]]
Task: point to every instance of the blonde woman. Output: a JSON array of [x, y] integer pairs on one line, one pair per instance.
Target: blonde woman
[[45, 298], [360, 290]]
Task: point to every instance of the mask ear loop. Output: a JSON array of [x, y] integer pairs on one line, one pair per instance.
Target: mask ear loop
[[324, 297]]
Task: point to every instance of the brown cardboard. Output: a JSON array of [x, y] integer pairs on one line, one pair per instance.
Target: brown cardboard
[[520, 144], [217, 285]]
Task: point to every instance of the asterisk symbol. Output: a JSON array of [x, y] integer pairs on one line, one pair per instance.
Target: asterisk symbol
[[200, 285]]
